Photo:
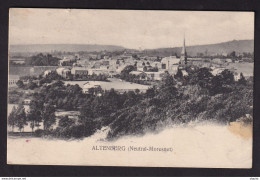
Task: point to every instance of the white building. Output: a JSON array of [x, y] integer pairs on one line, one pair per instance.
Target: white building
[[156, 64], [137, 73], [64, 72], [82, 62], [217, 71], [98, 71], [184, 73], [141, 68], [140, 64], [46, 73], [27, 101], [170, 64], [155, 76], [237, 76], [65, 59], [79, 71], [12, 80]]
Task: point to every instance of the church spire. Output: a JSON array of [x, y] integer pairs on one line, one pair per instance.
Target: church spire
[[183, 52], [183, 59]]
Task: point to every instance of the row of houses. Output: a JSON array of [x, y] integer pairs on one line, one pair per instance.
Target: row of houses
[[65, 72], [168, 64], [153, 76], [110, 66]]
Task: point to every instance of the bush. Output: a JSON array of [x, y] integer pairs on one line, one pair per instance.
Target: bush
[[39, 132], [75, 131]]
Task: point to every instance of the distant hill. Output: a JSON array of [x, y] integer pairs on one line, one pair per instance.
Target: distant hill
[[63, 47], [239, 46]]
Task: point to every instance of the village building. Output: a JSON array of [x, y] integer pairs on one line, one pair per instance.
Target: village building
[[140, 64], [143, 68], [64, 61], [94, 56], [224, 54], [217, 71], [47, 72], [137, 73], [150, 69], [113, 62], [151, 76], [27, 101], [112, 73], [113, 66], [170, 64], [17, 60], [152, 58], [64, 72], [79, 71], [36, 81], [12, 80], [184, 73], [82, 62], [105, 63], [155, 76], [73, 115], [140, 74], [98, 71], [191, 59], [237, 76], [77, 57], [127, 55], [96, 65]]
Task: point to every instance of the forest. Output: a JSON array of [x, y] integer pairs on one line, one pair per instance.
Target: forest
[[42, 60], [180, 99]]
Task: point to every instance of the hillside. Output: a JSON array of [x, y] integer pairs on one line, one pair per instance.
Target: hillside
[[63, 47], [239, 46]]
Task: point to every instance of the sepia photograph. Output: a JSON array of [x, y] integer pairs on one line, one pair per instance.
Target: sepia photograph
[[139, 88]]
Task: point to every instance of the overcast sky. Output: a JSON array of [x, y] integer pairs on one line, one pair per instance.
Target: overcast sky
[[131, 29]]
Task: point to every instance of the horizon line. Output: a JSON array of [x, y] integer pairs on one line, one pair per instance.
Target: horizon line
[[129, 48]]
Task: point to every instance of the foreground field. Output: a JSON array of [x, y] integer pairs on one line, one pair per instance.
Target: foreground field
[[193, 146]]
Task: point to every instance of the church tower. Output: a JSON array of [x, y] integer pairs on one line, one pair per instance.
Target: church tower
[[183, 60]]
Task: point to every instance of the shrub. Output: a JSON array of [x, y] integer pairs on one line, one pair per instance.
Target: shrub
[[39, 132]]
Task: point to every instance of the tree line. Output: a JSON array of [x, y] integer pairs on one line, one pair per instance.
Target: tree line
[[42, 60], [179, 99]]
